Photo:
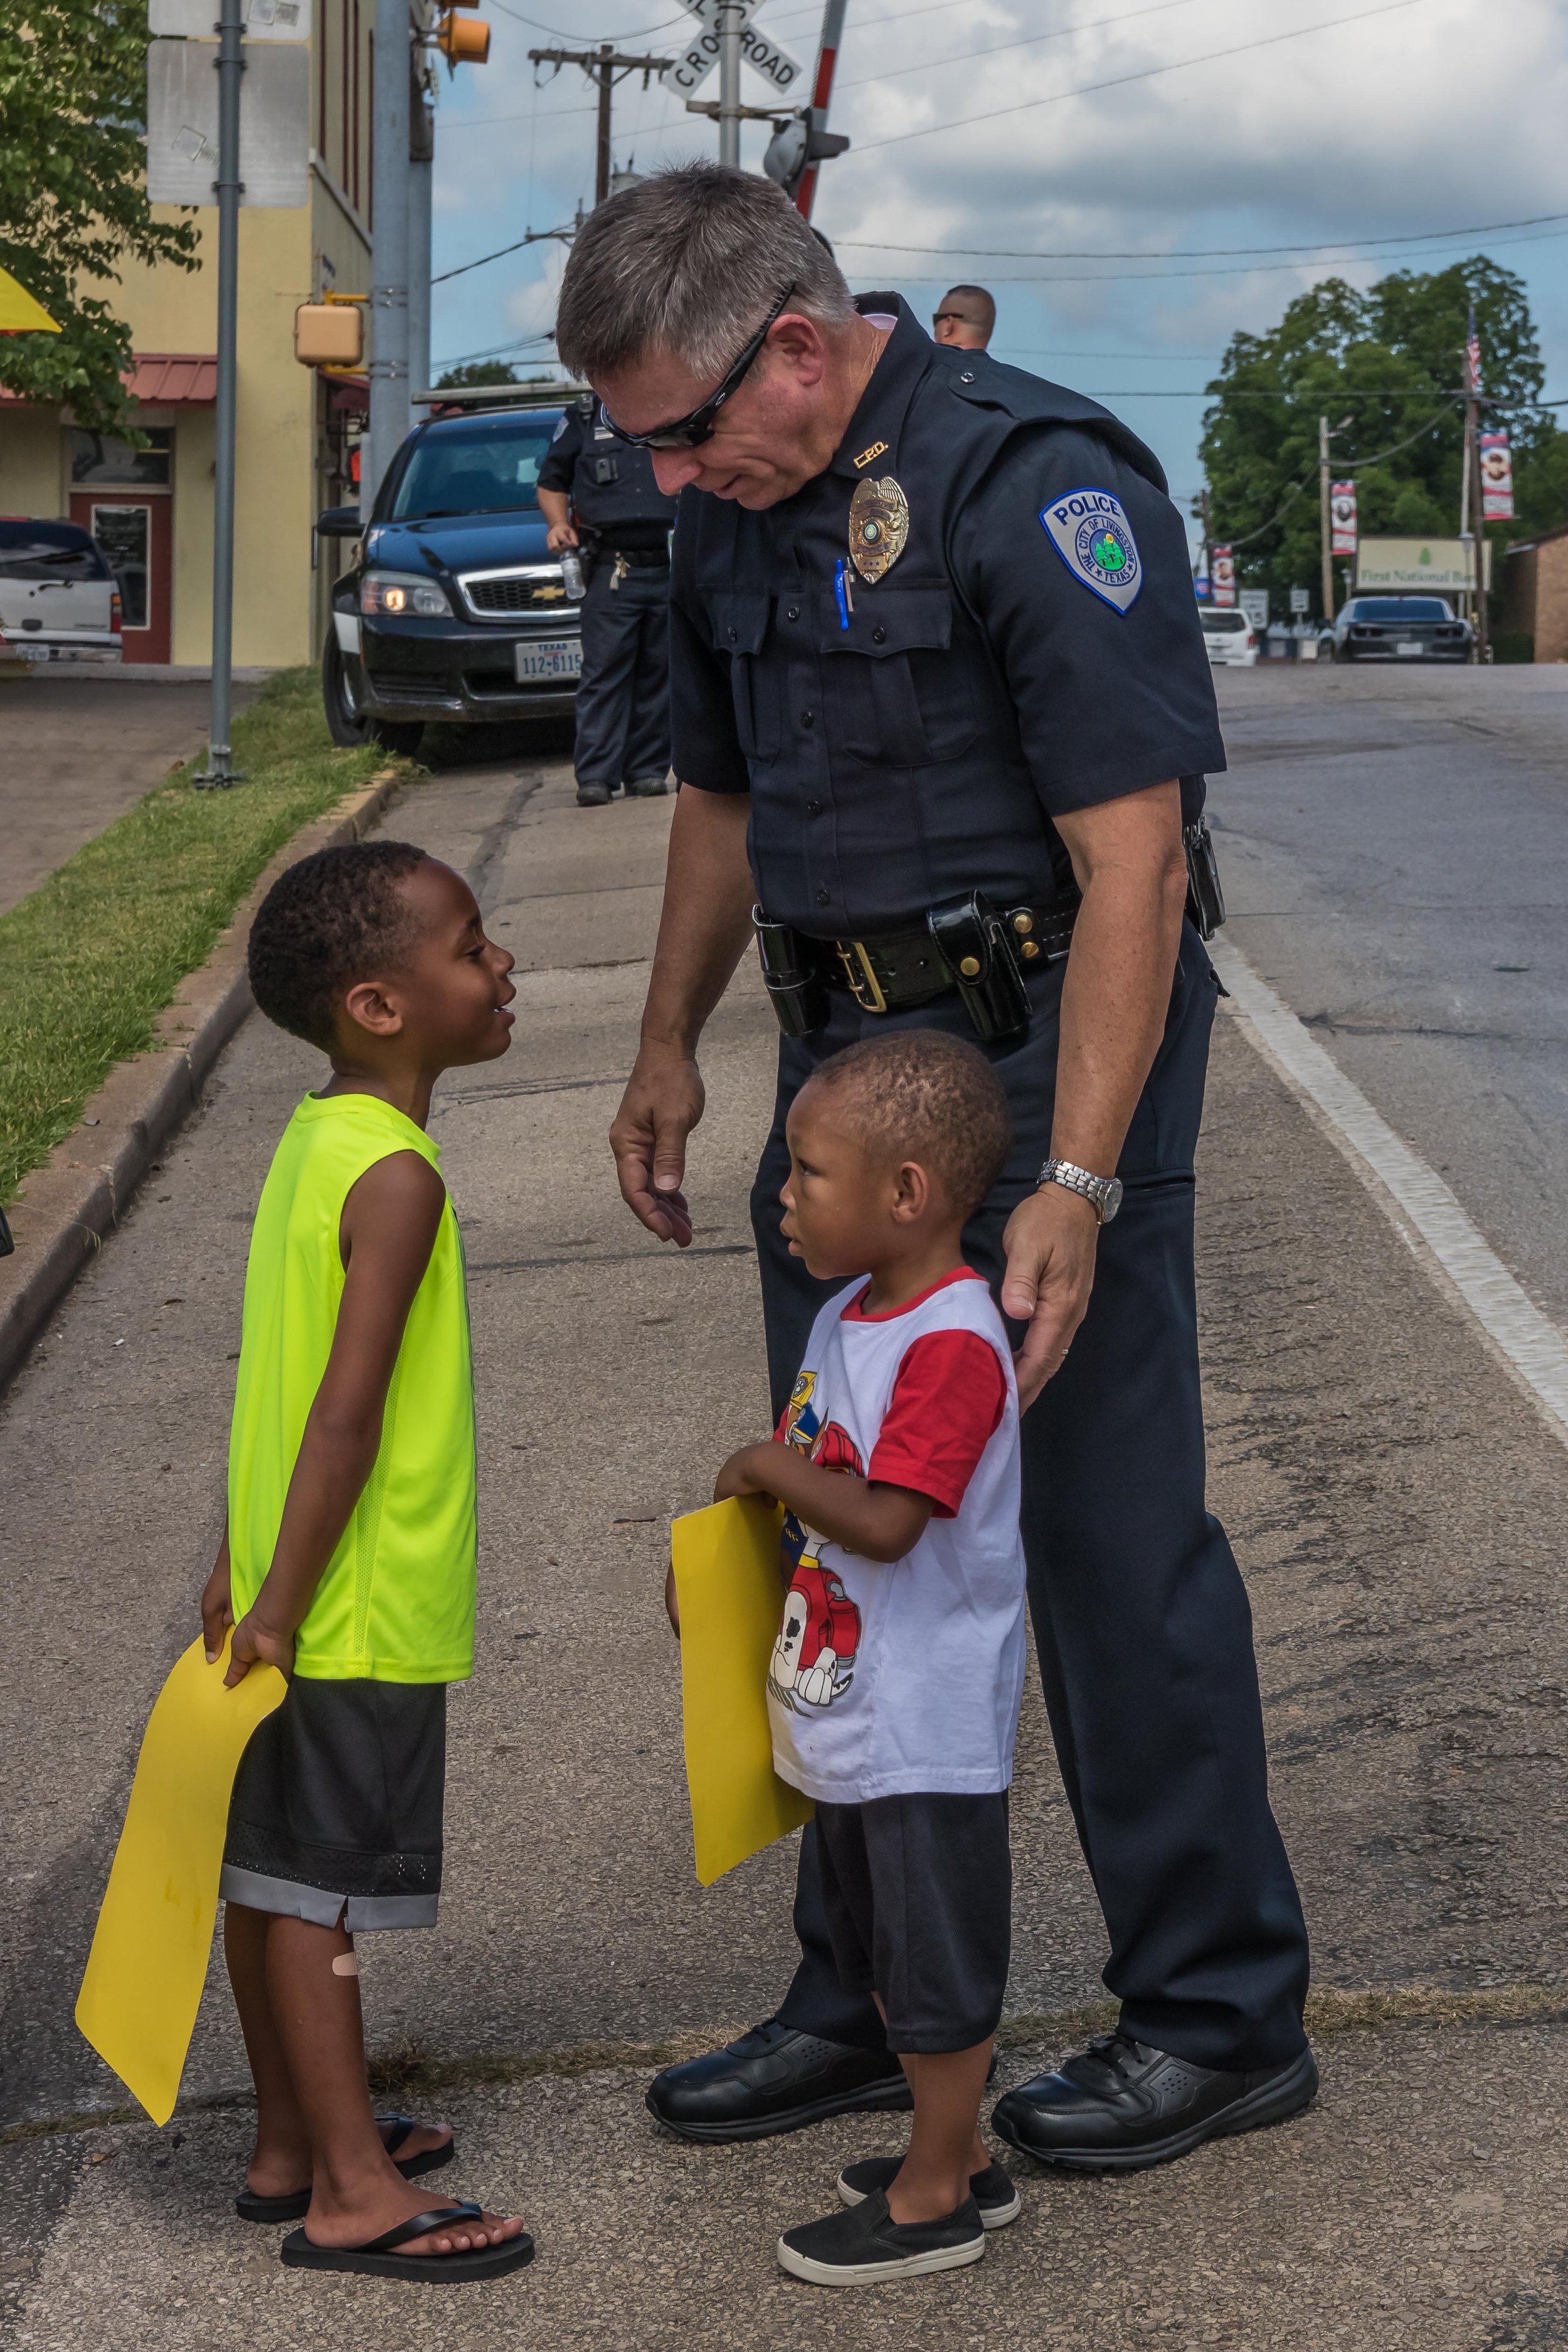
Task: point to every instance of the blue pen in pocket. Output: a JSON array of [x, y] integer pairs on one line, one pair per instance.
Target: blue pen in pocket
[[841, 591]]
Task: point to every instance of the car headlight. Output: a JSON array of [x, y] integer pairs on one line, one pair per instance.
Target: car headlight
[[402, 593]]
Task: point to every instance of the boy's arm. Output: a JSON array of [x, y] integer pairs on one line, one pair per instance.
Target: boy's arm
[[872, 1521], [388, 1231], [217, 1602]]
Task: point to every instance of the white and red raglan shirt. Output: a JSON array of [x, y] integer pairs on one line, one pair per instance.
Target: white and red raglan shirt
[[893, 1679]]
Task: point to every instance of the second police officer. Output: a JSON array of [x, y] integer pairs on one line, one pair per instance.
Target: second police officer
[[598, 496], [941, 705]]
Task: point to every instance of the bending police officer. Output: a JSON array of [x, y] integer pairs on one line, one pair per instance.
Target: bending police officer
[[935, 658], [599, 494]]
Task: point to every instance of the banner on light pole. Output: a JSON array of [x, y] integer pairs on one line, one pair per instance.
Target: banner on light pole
[[1341, 517], [1222, 575], [1497, 478]]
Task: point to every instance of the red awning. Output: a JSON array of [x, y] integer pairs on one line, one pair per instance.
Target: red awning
[[173, 379], [170, 379]]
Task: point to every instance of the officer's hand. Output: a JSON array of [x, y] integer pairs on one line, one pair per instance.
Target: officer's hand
[[1050, 1243], [662, 1103], [560, 535]]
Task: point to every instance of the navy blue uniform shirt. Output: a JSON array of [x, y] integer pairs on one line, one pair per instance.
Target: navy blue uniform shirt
[[614, 498], [1035, 649]]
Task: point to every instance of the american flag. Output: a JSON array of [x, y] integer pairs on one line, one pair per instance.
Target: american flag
[[1473, 354]]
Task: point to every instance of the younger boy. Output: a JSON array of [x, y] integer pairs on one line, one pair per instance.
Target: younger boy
[[895, 1682], [350, 1551]]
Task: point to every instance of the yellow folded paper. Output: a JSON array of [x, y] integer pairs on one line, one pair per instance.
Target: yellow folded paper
[[730, 1596], [145, 1975]]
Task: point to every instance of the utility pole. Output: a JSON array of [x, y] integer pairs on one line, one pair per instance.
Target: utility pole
[[1480, 648], [1324, 518], [1208, 536], [388, 369], [731, 16], [219, 768], [604, 67], [421, 173]]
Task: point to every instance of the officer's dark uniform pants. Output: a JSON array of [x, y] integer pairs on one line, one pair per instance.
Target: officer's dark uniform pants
[[1139, 1614], [623, 696]]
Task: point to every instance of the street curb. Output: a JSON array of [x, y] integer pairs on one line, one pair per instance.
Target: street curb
[[69, 1206]]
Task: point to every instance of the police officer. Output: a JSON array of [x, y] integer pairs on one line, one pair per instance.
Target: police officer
[[599, 493], [933, 643], [966, 319]]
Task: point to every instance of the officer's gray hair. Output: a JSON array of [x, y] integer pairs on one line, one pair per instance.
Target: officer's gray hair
[[689, 263]]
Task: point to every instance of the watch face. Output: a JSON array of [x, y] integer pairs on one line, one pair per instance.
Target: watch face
[[1112, 1201]]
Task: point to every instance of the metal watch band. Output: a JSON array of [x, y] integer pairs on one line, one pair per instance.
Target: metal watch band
[[1102, 1192]]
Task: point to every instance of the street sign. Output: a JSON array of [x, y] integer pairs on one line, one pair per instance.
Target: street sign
[[1200, 587], [1254, 603], [183, 131], [1301, 600], [701, 55], [263, 20], [707, 11]]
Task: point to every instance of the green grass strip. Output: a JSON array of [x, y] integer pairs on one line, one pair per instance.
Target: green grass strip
[[90, 958]]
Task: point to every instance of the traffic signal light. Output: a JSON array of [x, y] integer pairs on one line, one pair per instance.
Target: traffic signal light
[[804, 139], [462, 40]]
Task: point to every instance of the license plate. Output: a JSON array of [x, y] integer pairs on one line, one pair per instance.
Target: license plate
[[1409, 645], [562, 659]]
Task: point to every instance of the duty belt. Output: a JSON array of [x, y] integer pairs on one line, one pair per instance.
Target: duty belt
[[965, 944]]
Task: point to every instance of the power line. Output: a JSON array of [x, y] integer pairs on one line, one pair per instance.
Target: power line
[[1242, 269], [1025, 41], [1148, 73], [1202, 252]]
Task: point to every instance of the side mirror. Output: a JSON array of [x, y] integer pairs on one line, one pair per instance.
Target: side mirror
[[338, 523]]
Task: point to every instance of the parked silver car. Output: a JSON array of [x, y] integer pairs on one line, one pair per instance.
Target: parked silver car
[[58, 601]]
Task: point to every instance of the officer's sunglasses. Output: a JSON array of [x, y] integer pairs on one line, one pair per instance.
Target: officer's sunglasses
[[689, 431]]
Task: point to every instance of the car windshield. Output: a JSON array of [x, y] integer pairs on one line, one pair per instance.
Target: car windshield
[[1223, 624], [1400, 608], [489, 468]]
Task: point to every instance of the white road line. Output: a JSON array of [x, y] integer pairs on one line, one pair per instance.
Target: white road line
[[1407, 1188]]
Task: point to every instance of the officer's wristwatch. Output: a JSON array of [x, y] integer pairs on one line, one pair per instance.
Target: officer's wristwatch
[[1103, 1192]]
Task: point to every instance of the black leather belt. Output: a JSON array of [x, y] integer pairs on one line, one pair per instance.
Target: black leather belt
[[637, 559], [969, 945]]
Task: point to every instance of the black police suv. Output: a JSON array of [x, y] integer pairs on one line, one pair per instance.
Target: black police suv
[[1396, 628], [453, 609]]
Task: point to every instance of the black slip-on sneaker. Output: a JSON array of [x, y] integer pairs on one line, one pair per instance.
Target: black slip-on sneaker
[[1120, 2106], [647, 788], [774, 2079], [866, 2247], [592, 796], [993, 2191]]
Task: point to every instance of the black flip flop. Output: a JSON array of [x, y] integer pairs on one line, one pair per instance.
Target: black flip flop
[[380, 2259], [294, 2208]]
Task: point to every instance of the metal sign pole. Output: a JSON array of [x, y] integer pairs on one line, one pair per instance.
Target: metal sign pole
[[219, 768], [731, 16], [388, 369]]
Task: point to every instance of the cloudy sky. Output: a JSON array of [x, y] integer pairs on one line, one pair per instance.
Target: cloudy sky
[[983, 150]]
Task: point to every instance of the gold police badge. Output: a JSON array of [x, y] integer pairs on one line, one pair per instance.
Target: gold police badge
[[878, 527]]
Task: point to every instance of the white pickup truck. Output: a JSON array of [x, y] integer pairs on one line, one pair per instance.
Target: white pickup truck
[[58, 601]]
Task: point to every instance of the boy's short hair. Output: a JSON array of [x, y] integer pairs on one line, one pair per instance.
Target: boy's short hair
[[336, 918], [930, 1096]]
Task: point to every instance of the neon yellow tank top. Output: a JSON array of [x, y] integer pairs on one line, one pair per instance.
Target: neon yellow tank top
[[395, 1602]]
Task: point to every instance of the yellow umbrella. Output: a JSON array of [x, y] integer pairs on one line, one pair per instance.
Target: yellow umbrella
[[19, 314]]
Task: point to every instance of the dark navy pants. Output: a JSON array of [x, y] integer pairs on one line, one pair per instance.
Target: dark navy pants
[[623, 696], [1140, 1618]]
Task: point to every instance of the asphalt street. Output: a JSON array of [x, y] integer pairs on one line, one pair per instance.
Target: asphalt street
[[1397, 1505]]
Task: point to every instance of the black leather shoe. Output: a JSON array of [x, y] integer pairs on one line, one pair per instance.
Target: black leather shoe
[[774, 2080], [1120, 2106]]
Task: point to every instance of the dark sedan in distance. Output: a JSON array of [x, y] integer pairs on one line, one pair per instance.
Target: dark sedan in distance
[[453, 609], [1396, 628]]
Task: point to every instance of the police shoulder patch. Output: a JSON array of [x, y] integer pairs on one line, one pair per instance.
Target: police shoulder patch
[[560, 429], [1090, 533]]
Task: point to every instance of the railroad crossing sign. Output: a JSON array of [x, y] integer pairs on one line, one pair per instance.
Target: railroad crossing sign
[[701, 55]]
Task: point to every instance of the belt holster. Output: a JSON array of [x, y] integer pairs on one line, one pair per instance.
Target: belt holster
[[977, 948], [796, 990], [1205, 899]]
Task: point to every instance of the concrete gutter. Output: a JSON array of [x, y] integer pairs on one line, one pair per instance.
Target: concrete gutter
[[68, 1207]]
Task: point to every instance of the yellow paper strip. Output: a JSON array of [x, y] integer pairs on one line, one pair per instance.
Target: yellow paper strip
[[145, 1975], [730, 1595]]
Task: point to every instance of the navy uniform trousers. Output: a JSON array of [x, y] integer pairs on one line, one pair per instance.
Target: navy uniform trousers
[[1140, 1619], [623, 696]]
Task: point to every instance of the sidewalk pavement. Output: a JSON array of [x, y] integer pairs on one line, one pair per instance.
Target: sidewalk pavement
[[1398, 1506]]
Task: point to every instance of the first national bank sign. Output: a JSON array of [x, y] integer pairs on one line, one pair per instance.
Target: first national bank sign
[[1443, 565]]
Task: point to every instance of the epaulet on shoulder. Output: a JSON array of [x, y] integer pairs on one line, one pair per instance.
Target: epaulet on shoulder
[[1030, 400]]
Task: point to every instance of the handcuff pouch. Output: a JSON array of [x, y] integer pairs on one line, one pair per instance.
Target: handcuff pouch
[[796, 990], [977, 949]]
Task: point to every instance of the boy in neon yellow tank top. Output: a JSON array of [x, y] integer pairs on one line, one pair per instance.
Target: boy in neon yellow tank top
[[348, 1556]]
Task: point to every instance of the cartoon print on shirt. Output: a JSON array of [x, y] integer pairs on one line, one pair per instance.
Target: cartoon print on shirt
[[814, 1657]]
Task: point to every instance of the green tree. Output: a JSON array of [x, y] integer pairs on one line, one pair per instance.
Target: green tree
[[1386, 368], [73, 194], [476, 375]]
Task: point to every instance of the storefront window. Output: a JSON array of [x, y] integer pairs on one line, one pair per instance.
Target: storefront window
[[125, 533], [98, 458]]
